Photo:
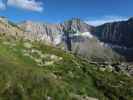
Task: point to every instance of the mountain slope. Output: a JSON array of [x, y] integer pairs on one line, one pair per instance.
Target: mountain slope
[[44, 32], [51, 32], [118, 36], [100, 43], [80, 41], [31, 70], [118, 33], [9, 28]]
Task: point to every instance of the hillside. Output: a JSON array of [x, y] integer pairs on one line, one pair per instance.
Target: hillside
[[118, 36], [31, 70], [82, 41], [117, 33]]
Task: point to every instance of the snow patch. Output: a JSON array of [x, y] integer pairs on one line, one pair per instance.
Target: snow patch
[[88, 34], [109, 45], [85, 34], [58, 39], [101, 43]]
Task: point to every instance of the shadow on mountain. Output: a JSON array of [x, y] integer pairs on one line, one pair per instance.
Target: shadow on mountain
[[118, 36]]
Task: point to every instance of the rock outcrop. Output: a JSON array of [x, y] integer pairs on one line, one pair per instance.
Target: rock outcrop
[[9, 28], [52, 33], [73, 35], [118, 33], [118, 36]]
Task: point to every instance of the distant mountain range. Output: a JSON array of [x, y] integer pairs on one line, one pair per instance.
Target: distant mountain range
[[110, 41]]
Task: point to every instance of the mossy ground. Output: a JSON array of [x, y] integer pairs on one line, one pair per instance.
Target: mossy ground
[[71, 78]]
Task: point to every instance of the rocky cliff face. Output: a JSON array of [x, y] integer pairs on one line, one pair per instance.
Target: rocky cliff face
[[73, 35], [43, 32], [118, 36], [77, 24], [118, 33], [52, 33]]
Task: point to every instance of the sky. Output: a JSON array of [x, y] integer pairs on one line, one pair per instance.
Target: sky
[[94, 12]]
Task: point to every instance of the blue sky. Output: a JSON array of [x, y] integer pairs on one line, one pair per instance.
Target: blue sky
[[92, 11]]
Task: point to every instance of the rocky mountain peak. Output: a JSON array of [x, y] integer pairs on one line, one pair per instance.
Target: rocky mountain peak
[[77, 24], [74, 21], [53, 32]]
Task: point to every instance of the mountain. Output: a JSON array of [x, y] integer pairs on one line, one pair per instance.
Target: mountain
[[117, 35], [108, 42], [41, 31], [52, 33], [77, 24], [81, 40]]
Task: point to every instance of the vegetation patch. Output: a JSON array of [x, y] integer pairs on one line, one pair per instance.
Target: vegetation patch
[[62, 77]]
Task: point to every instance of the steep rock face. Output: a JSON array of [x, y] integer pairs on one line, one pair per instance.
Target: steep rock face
[[77, 24], [73, 35], [40, 31], [52, 33], [118, 36], [118, 33], [93, 49]]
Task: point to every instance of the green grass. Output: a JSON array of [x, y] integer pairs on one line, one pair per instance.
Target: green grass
[[69, 79]]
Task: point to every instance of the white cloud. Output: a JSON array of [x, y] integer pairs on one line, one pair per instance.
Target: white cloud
[[2, 5], [105, 19], [31, 5]]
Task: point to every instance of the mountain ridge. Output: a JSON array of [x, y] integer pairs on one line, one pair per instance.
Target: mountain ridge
[[81, 38]]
